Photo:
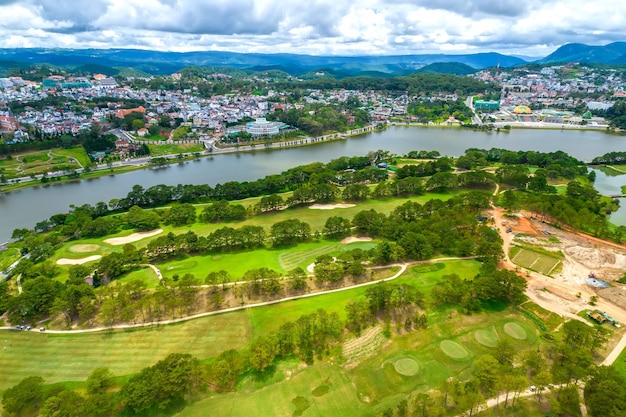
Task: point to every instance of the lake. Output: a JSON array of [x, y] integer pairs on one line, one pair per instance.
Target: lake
[[26, 207]]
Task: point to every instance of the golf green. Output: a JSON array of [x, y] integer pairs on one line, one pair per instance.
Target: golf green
[[486, 338], [453, 349], [515, 331], [406, 366]]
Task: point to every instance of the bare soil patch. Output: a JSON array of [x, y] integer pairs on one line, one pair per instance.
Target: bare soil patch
[[330, 206], [353, 239], [116, 241], [65, 261], [84, 248]]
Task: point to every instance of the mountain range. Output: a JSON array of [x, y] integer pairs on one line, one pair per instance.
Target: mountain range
[[156, 62]]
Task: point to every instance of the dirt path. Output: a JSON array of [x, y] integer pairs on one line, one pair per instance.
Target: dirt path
[[617, 350], [496, 401]]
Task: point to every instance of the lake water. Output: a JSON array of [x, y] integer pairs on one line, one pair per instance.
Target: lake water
[[26, 207]]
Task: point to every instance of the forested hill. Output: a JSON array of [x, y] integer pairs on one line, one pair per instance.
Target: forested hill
[[413, 84], [157, 62]]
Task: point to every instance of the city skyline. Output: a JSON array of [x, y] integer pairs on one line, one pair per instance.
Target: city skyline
[[323, 27]]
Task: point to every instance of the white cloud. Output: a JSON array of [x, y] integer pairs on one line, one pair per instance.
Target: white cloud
[[313, 26]]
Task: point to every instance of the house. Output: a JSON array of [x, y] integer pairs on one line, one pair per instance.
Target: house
[[124, 112], [142, 132]]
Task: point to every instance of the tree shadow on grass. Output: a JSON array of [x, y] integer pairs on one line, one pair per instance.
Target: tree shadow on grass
[[264, 375]]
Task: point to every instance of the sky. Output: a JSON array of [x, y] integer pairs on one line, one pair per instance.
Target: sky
[[316, 27]]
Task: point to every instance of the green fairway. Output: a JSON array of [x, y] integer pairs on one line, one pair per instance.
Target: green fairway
[[76, 152], [295, 386], [7, 257], [171, 149], [145, 275], [59, 358], [293, 259], [515, 331], [238, 263]]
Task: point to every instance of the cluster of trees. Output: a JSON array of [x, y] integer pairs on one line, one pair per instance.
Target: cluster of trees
[[552, 164], [617, 158], [582, 208], [156, 389], [617, 114], [440, 110], [425, 169], [318, 120], [401, 304], [489, 286], [416, 232], [414, 85]]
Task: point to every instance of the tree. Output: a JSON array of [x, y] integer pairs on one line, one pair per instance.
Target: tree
[[605, 393], [100, 380], [137, 124], [270, 203], [262, 352], [289, 232], [355, 192], [66, 403], [486, 373], [566, 401], [326, 270], [182, 215], [336, 227], [142, 220], [24, 398], [160, 385]]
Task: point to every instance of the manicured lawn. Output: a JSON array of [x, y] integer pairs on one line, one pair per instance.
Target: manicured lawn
[[238, 263], [281, 397], [158, 150], [76, 152], [145, 275], [7, 257], [620, 363], [535, 261], [59, 358]]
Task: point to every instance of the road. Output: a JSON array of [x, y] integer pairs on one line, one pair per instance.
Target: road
[[469, 102]]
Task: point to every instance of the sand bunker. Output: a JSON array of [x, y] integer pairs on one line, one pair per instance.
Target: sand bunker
[[132, 238], [352, 239], [65, 261], [330, 206], [84, 248]]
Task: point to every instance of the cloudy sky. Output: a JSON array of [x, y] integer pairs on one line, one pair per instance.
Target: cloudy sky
[[318, 27]]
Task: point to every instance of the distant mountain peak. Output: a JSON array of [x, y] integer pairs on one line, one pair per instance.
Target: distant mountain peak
[[580, 52]]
